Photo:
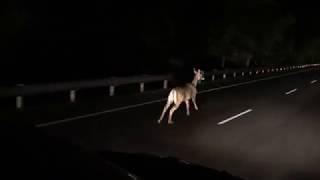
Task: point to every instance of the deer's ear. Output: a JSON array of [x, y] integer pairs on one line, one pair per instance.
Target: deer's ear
[[195, 71]]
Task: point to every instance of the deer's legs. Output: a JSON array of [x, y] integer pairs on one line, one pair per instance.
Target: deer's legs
[[187, 107], [172, 110], [194, 102], [164, 111]]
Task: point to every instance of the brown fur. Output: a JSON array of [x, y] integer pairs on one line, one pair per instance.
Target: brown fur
[[182, 94]]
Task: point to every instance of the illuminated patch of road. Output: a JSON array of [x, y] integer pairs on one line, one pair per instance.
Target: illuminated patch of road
[[155, 101]]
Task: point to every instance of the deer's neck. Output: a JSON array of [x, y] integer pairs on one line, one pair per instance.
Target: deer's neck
[[194, 82]]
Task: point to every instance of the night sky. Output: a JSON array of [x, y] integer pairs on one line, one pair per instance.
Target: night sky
[[58, 41]]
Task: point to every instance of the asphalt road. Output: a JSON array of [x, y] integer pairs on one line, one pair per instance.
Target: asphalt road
[[265, 129]]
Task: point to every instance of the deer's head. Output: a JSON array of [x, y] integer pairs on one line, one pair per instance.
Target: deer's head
[[198, 74]]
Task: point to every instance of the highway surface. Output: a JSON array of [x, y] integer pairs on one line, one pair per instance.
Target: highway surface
[[262, 128]]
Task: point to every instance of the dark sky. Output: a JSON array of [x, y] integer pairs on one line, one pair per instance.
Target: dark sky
[[60, 39]]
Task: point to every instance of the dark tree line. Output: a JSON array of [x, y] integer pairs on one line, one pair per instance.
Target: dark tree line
[[263, 33]]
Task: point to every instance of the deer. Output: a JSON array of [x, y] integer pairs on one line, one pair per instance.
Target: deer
[[181, 94]]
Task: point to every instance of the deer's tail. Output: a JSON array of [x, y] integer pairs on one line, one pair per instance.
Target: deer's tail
[[172, 96], [170, 100]]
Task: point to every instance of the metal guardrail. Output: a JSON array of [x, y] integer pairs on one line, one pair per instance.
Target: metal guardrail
[[26, 90]]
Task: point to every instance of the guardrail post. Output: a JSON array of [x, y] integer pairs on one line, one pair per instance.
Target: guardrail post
[[19, 102], [165, 84], [72, 96], [111, 90], [142, 87], [19, 99], [212, 77]]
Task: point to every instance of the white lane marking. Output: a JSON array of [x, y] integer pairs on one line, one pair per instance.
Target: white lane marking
[[291, 91], [314, 81], [132, 176], [234, 117], [185, 162], [155, 101]]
